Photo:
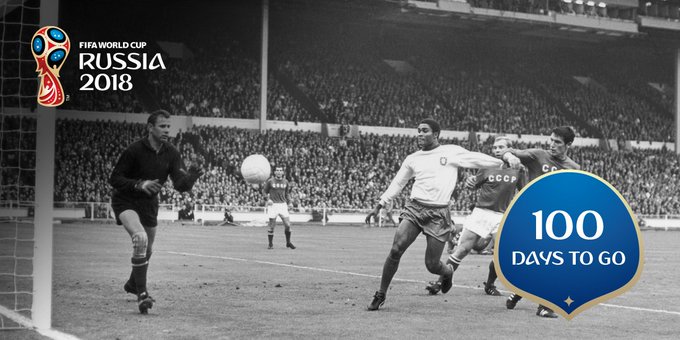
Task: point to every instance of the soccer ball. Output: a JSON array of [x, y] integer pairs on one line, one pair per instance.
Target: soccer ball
[[255, 169]]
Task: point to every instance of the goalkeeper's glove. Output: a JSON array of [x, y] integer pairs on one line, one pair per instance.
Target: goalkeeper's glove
[[195, 171]]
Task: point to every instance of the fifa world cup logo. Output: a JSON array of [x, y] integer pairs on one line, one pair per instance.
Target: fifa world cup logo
[[50, 47]]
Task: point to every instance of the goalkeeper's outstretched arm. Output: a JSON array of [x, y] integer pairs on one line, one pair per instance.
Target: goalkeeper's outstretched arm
[[184, 180]]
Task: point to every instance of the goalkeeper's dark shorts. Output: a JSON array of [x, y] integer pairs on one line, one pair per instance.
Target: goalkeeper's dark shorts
[[432, 220], [146, 208]]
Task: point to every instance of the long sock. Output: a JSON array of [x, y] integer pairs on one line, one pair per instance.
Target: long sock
[[287, 236], [492, 274], [271, 239], [139, 269], [132, 272], [389, 269], [454, 261]]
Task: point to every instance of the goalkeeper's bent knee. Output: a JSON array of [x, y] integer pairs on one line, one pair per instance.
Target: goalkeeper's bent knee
[[140, 242]]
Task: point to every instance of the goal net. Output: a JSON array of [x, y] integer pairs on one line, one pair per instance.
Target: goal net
[[26, 172]]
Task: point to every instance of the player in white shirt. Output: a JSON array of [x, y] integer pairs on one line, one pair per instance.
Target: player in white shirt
[[435, 169], [497, 188]]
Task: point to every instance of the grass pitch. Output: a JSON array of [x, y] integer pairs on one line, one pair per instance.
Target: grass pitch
[[215, 282]]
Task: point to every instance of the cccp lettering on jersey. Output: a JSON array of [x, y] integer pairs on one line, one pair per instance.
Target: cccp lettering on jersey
[[502, 178], [548, 168]]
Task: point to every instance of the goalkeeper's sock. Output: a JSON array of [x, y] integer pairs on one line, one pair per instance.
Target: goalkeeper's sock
[[139, 269], [131, 280], [492, 274]]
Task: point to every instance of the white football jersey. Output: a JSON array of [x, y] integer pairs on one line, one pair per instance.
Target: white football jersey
[[436, 173]]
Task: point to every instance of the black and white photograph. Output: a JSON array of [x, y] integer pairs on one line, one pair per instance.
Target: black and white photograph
[[326, 169]]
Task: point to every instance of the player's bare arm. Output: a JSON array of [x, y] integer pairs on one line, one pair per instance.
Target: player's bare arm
[[373, 213], [398, 183]]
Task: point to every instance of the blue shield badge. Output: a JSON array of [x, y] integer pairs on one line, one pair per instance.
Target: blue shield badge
[[569, 240]]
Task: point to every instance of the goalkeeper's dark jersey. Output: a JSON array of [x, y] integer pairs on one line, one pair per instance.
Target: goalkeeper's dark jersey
[[140, 162]]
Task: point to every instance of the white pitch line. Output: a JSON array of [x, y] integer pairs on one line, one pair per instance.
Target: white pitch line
[[293, 266], [641, 309], [394, 279], [28, 324]]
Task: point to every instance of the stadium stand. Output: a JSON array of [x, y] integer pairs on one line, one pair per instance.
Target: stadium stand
[[343, 174], [393, 77]]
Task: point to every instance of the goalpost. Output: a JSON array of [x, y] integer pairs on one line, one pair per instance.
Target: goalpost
[[44, 194], [27, 138]]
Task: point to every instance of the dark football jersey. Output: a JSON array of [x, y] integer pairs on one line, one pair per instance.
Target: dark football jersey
[[497, 187], [277, 189], [540, 162]]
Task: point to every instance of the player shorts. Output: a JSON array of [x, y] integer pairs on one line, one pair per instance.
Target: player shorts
[[146, 209], [483, 222], [278, 209], [432, 220]]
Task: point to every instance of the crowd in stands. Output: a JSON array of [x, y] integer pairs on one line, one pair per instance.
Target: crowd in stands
[[221, 81], [574, 7], [490, 97], [646, 178], [348, 77], [618, 117], [345, 72], [599, 101], [465, 88], [337, 173], [523, 6], [345, 174], [652, 83], [222, 85], [85, 155], [351, 83], [100, 101], [667, 9], [354, 73]]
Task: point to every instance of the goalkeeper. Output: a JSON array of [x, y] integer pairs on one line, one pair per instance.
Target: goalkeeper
[[137, 178]]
